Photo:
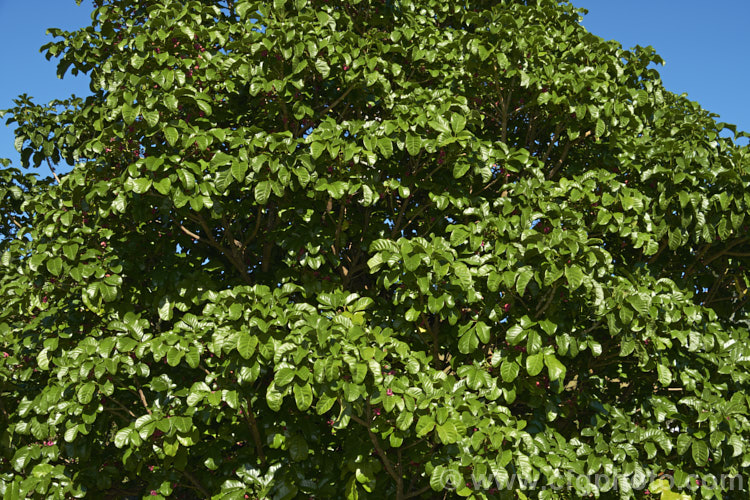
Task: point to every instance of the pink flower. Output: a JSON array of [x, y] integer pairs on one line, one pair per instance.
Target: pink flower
[[506, 307], [389, 392], [153, 493], [376, 411], [151, 468]]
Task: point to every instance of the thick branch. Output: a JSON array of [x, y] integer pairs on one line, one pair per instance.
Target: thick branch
[[564, 155]]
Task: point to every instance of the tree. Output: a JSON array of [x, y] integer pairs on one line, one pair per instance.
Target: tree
[[342, 249]]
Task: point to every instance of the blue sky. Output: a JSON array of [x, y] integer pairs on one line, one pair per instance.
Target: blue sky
[[705, 48]]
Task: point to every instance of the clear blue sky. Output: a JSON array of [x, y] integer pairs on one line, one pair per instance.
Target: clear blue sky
[[706, 47]]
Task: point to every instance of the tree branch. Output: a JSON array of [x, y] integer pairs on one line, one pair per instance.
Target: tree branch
[[197, 485], [52, 169], [339, 99], [142, 396], [253, 426], [381, 454]]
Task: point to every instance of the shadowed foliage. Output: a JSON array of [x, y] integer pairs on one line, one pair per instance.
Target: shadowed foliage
[[377, 249]]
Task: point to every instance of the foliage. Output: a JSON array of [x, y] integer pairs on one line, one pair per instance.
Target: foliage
[[368, 248]]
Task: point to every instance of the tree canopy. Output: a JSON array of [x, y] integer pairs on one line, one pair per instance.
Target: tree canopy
[[369, 248]]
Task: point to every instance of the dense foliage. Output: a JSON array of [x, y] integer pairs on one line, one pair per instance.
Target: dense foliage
[[368, 248]]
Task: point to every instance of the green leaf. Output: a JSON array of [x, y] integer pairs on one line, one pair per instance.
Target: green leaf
[[413, 144], [325, 403], [425, 424], [262, 192], [574, 275], [85, 392], [639, 302], [458, 122], [163, 186], [239, 170], [524, 277], [599, 128], [555, 369], [298, 449], [303, 396], [509, 370], [203, 106], [246, 344], [284, 376], [129, 113], [54, 265], [534, 364], [404, 420], [121, 437], [700, 452], [274, 398], [170, 133], [515, 335], [459, 169], [447, 433], [665, 375], [322, 68]]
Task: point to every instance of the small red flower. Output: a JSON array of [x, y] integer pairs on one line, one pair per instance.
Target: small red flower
[[389, 392]]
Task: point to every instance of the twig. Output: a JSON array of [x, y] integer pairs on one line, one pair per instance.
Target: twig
[[142, 396], [122, 406], [54, 174]]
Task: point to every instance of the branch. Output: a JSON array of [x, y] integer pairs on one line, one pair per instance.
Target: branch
[[564, 154], [418, 492], [52, 169], [122, 406], [340, 98], [417, 214], [212, 242], [698, 258], [197, 485], [555, 138], [257, 228], [142, 396], [381, 454], [401, 215], [548, 302], [725, 251], [339, 223], [253, 426], [658, 253]]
